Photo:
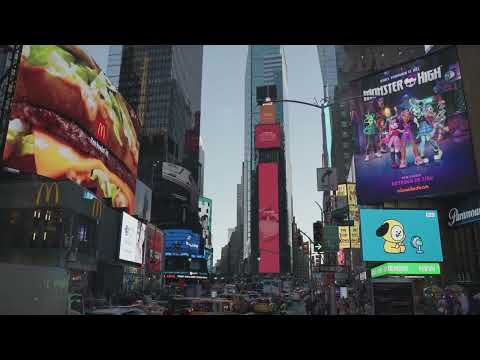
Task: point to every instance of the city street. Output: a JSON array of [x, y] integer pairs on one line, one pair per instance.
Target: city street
[[186, 180], [296, 308]]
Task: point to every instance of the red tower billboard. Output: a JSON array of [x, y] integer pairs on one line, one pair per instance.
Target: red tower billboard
[[268, 218], [267, 136]]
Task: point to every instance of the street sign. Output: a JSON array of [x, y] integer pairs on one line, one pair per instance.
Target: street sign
[[327, 179], [330, 238], [329, 268], [345, 237]]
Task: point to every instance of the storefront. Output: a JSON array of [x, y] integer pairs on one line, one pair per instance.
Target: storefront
[[463, 237]]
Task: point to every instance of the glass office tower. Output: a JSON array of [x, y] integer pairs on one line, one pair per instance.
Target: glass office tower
[[266, 65]]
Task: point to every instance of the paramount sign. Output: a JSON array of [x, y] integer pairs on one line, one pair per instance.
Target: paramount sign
[[455, 217]]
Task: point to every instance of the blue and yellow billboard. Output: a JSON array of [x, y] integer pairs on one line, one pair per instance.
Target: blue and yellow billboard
[[400, 235]]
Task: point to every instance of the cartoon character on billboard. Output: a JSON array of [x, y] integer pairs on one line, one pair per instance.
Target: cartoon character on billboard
[[393, 141], [381, 114], [427, 135], [393, 233], [439, 121], [408, 137], [370, 131]]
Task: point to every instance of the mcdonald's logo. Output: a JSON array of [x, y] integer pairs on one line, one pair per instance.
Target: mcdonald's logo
[[48, 187], [101, 131], [97, 208]]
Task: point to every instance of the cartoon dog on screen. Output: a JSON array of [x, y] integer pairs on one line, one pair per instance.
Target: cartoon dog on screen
[[393, 234]]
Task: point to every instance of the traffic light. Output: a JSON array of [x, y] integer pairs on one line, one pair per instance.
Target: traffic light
[[305, 248], [299, 239], [317, 235]]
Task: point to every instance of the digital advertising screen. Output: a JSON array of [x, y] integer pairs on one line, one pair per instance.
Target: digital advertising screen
[[267, 136], [268, 218], [205, 215], [132, 239], [412, 134], [400, 235], [68, 121], [179, 242], [143, 201], [178, 175], [155, 249]]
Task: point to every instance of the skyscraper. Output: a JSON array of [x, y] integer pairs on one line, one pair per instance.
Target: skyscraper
[[266, 66], [163, 83]]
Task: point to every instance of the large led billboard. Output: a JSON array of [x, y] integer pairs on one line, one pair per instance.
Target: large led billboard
[[400, 235], [143, 201], [178, 175], [412, 131], [205, 215], [268, 218], [68, 121], [267, 136], [155, 249], [132, 239], [180, 242]]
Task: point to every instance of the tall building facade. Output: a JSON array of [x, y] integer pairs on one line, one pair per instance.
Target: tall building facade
[[201, 165], [163, 83], [266, 66], [114, 64]]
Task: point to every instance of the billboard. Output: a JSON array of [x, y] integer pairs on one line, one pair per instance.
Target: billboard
[[178, 175], [412, 131], [205, 216], [181, 242], [209, 258], [267, 136], [405, 269], [132, 237], [155, 249], [68, 121], [400, 235], [143, 201], [268, 218]]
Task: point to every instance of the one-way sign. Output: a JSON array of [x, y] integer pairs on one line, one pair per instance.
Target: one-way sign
[[327, 179]]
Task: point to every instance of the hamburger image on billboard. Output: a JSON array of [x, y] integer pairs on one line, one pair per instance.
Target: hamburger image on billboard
[[68, 121]]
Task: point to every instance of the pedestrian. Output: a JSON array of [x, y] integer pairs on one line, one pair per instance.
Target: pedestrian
[[308, 305], [475, 308], [464, 304]]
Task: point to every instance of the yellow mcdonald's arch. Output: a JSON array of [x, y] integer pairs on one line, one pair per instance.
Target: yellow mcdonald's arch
[[49, 187], [96, 208]]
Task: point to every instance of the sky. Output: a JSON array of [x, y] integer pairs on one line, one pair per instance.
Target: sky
[[223, 118]]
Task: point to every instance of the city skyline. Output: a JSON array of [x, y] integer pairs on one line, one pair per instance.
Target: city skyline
[[223, 113]]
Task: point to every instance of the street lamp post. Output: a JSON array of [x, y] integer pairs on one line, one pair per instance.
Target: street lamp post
[[310, 261]]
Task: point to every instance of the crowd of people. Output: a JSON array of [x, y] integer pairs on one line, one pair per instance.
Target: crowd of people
[[452, 302]]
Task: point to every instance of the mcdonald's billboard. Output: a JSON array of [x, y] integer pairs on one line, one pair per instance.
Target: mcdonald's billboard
[[68, 121]]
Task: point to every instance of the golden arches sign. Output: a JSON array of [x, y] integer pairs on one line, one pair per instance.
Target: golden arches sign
[[48, 189], [97, 208]]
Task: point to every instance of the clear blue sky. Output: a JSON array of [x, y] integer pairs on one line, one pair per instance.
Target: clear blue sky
[[223, 117]]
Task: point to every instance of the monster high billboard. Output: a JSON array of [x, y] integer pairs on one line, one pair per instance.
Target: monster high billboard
[[400, 235], [412, 131]]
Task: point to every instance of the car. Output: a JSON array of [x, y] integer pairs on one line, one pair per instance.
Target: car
[[119, 310], [264, 306]]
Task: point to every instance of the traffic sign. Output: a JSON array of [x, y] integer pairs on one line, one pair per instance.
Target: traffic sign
[[327, 179], [330, 238]]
